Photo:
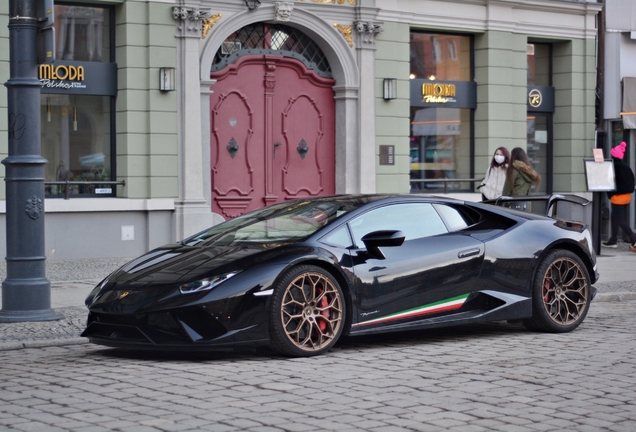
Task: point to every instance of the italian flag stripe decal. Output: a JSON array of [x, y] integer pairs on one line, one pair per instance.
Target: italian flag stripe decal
[[440, 306]]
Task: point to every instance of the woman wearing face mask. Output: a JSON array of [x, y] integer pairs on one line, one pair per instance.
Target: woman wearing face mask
[[495, 178]]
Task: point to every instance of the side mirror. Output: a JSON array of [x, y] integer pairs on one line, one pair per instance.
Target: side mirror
[[376, 239]]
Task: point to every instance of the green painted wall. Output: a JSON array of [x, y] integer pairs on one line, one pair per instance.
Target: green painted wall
[[393, 116], [146, 118], [574, 79], [501, 76], [146, 121], [501, 114]]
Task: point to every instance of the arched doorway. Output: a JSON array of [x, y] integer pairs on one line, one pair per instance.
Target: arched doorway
[[272, 118]]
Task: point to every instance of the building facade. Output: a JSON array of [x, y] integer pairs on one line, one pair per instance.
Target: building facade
[[279, 100], [618, 114]]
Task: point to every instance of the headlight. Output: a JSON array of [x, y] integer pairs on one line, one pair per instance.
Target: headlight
[[205, 284]]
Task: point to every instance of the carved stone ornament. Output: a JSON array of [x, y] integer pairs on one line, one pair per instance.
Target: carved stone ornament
[[189, 20], [208, 24], [34, 207], [367, 31], [283, 11], [345, 31]]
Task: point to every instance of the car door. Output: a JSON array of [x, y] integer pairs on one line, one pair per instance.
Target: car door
[[431, 273]]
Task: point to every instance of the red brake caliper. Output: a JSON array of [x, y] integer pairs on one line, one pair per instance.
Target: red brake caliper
[[323, 303], [546, 289]]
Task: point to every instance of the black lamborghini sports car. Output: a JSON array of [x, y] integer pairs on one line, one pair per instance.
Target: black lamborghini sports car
[[297, 276]]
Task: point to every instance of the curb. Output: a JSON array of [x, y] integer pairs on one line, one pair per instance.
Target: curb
[[615, 297]]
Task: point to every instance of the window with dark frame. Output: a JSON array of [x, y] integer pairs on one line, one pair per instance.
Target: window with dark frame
[[441, 138], [539, 125], [78, 130]]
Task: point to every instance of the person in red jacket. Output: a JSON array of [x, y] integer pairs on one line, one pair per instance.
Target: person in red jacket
[[621, 198]]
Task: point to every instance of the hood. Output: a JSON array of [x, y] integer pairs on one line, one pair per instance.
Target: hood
[[176, 264], [155, 277]]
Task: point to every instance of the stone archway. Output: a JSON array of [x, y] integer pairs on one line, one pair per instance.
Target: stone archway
[[354, 129], [345, 72]]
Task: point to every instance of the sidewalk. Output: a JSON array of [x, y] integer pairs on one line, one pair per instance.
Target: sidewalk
[[72, 280]]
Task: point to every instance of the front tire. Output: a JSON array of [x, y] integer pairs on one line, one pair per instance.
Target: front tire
[[307, 312], [561, 293]]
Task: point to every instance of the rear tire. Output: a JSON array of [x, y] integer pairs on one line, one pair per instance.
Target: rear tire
[[561, 293], [307, 312]]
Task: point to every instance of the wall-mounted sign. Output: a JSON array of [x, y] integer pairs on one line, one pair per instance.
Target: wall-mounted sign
[[443, 94], [387, 155], [599, 176], [535, 98], [434, 92], [540, 99], [61, 72], [72, 77]]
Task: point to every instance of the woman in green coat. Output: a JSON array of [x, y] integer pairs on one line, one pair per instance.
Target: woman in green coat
[[520, 177]]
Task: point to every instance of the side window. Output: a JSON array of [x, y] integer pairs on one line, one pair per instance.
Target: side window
[[339, 237], [453, 218], [415, 220]]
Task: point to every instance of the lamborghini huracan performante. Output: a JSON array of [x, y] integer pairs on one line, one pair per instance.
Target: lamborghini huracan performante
[[299, 275]]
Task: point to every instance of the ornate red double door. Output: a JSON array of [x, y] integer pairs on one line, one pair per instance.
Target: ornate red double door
[[272, 134]]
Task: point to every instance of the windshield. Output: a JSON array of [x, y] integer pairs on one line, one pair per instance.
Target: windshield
[[285, 222]]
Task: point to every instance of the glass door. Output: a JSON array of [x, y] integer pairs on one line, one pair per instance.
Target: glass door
[[539, 149]]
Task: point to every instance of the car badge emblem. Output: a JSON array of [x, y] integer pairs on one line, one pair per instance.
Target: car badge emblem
[[124, 294]]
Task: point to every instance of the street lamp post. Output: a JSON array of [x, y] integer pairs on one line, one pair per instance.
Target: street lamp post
[[26, 292]]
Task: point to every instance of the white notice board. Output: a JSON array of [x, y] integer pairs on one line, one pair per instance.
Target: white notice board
[[599, 176]]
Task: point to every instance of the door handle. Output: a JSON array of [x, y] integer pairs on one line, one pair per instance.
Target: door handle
[[468, 253], [232, 147], [302, 148]]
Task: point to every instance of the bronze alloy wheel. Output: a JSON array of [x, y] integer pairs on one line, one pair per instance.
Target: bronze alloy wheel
[[565, 291], [311, 311], [561, 293]]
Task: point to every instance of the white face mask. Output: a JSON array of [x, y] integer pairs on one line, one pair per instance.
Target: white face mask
[[499, 159]]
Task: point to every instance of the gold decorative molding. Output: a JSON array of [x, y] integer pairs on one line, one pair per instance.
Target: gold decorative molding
[[208, 24], [345, 30], [351, 2]]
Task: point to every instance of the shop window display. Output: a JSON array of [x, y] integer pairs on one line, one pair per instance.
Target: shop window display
[[77, 129], [440, 137], [76, 141]]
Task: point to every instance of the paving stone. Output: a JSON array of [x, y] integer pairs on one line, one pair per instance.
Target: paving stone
[[486, 378]]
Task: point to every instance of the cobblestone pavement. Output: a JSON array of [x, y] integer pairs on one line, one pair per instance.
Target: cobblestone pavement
[[496, 377], [83, 274]]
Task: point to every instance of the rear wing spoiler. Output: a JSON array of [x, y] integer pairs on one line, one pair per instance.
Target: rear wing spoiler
[[550, 201]]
